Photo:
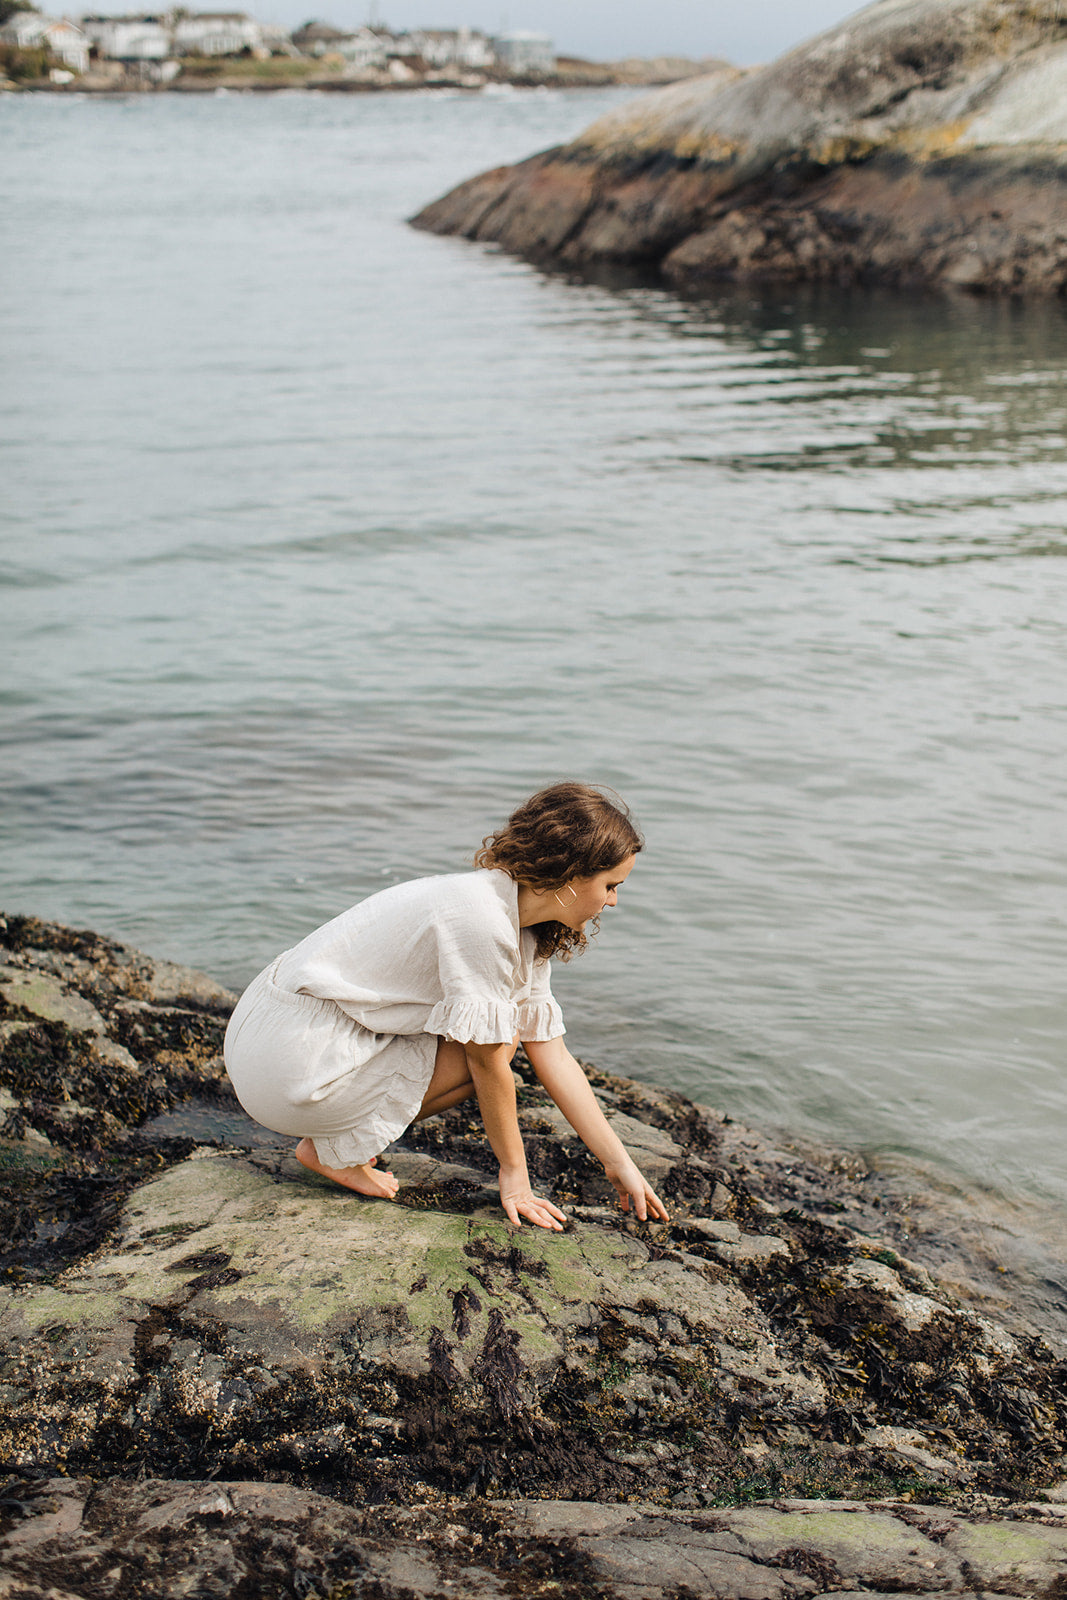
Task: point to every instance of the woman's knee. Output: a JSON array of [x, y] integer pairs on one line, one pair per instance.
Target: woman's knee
[[432, 1106], [451, 1080]]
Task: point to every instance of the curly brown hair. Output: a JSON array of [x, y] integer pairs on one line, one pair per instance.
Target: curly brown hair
[[569, 830]]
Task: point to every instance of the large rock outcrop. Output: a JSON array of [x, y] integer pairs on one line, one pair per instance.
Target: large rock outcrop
[[921, 142], [207, 1315]]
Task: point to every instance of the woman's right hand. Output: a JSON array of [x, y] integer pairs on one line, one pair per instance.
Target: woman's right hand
[[519, 1200]]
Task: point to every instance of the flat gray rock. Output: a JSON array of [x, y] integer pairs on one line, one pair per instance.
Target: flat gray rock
[[156, 1539]]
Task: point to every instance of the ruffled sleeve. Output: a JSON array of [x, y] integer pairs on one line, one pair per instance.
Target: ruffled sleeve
[[492, 985], [479, 967], [475, 1020], [539, 1016]]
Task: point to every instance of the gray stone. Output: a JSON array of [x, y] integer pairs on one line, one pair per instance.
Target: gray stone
[[168, 983], [653, 1150], [114, 1538], [48, 998], [637, 1135], [651, 1566], [913, 143], [871, 1548], [914, 1449], [1020, 1558], [724, 1232], [547, 1119], [751, 1249]]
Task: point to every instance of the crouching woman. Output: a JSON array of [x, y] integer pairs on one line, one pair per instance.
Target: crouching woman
[[418, 997]]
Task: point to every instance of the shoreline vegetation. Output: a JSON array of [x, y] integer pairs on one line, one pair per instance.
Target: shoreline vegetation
[[247, 74], [218, 1366]]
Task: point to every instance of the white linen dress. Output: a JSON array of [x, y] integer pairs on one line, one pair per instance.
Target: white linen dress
[[337, 1038]]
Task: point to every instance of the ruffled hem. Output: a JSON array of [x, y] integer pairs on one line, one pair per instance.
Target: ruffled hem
[[475, 1021], [355, 1149], [397, 1111], [540, 1020]]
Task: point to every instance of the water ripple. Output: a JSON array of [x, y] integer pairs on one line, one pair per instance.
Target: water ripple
[[325, 540]]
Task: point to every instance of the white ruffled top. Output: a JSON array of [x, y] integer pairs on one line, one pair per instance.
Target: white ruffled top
[[437, 955]]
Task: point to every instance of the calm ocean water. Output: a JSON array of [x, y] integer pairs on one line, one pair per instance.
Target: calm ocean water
[[325, 541]]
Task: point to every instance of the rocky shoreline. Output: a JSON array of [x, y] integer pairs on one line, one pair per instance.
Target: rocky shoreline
[[248, 76], [912, 146], [222, 1376]]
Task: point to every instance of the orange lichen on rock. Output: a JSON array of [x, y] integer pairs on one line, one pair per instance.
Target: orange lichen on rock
[[949, 111]]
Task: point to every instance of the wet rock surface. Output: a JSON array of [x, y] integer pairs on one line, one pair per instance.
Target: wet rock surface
[[397, 1387], [158, 1540], [96, 1039], [921, 142]]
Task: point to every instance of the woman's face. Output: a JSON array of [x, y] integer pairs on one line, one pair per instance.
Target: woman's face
[[592, 895]]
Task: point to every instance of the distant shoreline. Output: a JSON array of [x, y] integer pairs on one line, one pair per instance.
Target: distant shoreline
[[239, 76], [243, 86]]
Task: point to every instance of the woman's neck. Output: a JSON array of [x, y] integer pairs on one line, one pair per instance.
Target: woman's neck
[[536, 907]]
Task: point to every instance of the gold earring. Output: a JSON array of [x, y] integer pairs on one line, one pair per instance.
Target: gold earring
[[573, 898]]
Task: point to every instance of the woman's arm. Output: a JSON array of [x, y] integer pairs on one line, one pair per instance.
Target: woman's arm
[[490, 1070], [562, 1077]]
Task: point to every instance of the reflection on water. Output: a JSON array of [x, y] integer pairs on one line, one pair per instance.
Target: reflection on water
[[1008, 1252], [325, 541]]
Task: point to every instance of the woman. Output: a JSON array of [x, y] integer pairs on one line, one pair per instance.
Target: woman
[[419, 997]]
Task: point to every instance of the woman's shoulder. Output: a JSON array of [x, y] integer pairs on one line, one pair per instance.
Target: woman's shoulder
[[486, 888], [468, 908], [450, 894], [466, 912]]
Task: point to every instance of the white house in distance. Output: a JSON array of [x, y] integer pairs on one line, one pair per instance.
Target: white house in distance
[[453, 47], [318, 38], [363, 48], [142, 38], [276, 39], [216, 33], [29, 30], [521, 52]]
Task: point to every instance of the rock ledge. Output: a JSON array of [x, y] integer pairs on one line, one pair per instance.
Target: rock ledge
[[199, 1341], [921, 142]]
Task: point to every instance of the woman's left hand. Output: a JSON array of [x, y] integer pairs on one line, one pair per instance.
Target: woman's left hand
[[633, 1192]]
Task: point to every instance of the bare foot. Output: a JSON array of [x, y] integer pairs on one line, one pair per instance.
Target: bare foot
[[364, 1179]]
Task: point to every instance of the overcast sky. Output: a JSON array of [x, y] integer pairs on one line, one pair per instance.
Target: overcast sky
[[601, 30]]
